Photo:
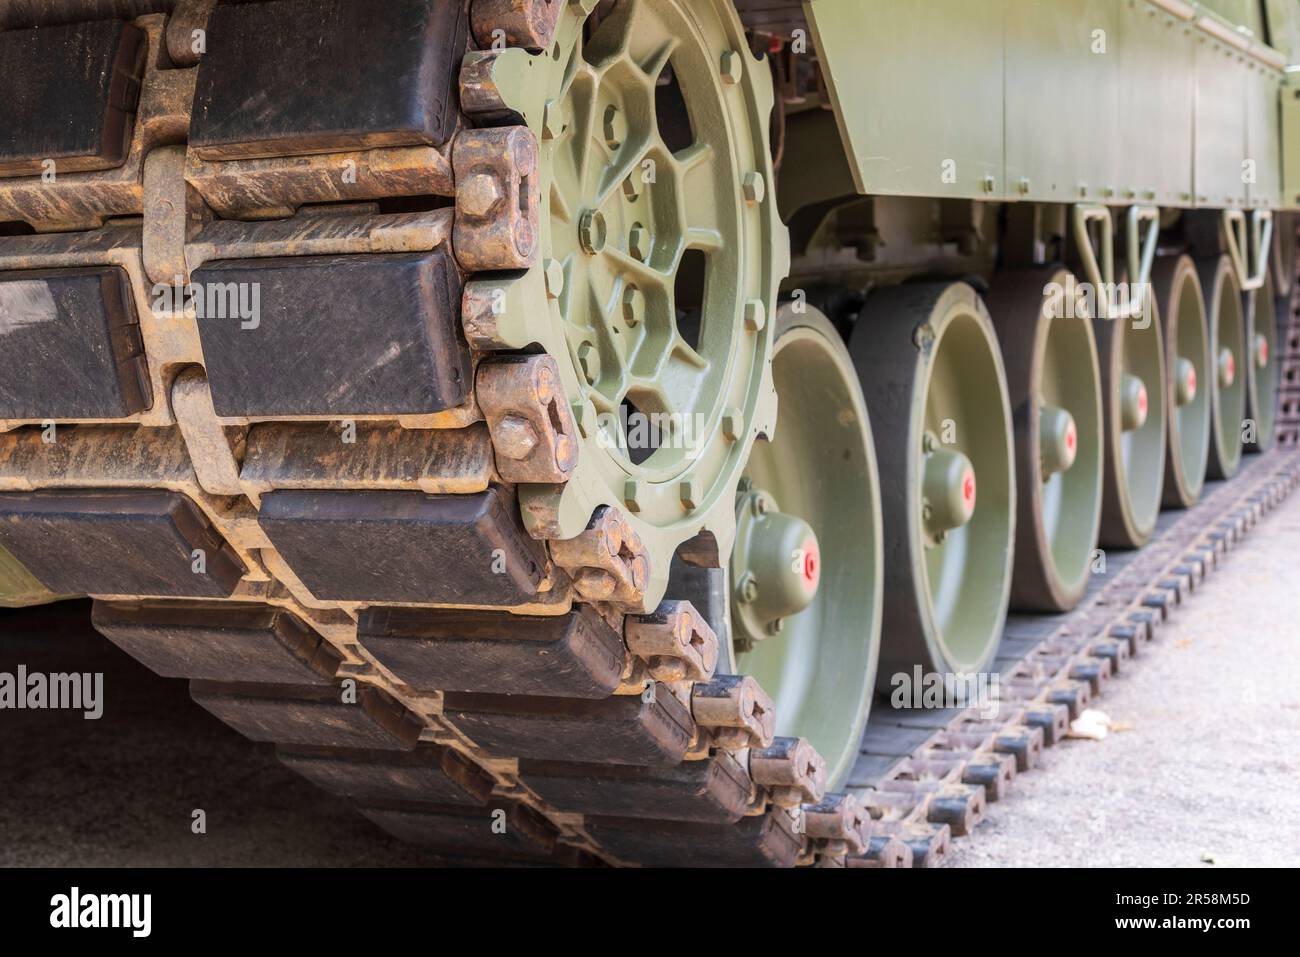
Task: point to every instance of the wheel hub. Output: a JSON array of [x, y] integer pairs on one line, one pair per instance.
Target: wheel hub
[[1058, 440], [775, 566], [948, 491], [592, 231], [1185, 382], [1134, 403], [1227, 368]]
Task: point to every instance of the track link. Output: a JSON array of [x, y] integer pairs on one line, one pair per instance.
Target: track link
[[1288, 417]]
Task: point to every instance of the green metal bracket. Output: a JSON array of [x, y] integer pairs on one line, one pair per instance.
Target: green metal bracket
[[1101, 276], [1141, 254], [1250, 273], [1139, 265]]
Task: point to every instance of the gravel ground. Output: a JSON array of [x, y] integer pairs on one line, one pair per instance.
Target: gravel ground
[[1204, 770]]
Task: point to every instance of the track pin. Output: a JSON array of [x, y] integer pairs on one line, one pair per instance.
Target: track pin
[[841, 822], [1051, 719], [1074, 695], [675, 642], [791, 770], [737, 709], [1111, 650], [883, 851]]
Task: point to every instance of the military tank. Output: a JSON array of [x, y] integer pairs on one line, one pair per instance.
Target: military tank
[[555, 424]]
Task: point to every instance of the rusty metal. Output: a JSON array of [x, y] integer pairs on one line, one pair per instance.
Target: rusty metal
[[529, 418], [841, 822], [960, 806], [481, 311], [737, 711], [791, 770], [516, 23], [225, 465], [329, 455], [86, 200], [270, 188], [174, 213], [268, 208], [338, 231], [607, 562], [883, 851], [209, 445], [675, 642], [94, 457], [496, 198], [480, 94], [188, 17]]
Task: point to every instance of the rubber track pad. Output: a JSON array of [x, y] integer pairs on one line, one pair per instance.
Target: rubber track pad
[[117, 542], [333, 335], [70, 93], [315, 76], [70, 346]]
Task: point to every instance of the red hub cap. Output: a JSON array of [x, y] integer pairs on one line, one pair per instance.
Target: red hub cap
[[812, 566], [968, 491]]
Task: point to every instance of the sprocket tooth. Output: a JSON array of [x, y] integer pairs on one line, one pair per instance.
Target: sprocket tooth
[[494, 84], [608, 562]]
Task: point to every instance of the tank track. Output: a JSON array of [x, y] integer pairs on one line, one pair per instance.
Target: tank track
[[1288, 416], [532, 713]]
